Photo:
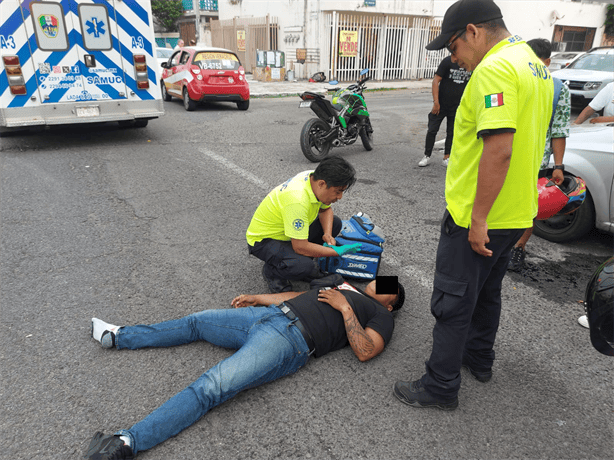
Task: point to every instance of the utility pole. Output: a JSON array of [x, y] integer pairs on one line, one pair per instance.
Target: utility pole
[[196, 8]]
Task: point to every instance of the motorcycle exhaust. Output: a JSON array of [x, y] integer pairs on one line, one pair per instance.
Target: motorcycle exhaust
[[336, 143]]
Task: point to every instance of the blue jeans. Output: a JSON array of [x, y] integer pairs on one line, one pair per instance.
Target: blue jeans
[[268, 346]]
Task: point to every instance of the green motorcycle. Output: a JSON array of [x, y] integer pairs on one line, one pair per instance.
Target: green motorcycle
[[339, 122]]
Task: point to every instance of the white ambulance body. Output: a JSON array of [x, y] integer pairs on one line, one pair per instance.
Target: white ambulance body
[[77, 61]]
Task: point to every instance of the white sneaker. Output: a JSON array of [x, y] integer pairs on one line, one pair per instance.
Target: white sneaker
[[104, 332], [445, 162], [583, 320], [425, 161]]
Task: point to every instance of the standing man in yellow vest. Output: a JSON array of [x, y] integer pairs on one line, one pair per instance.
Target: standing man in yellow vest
[[491, 194], [295, 223]]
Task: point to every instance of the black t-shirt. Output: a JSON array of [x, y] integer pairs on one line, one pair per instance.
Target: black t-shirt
[[326, 325], [452, 84]]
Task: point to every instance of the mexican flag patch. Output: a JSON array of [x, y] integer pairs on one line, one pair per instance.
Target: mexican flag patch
[[493, 100]]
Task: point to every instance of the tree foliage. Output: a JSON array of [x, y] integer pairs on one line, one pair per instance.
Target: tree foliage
[[167, 12], [609, 20]]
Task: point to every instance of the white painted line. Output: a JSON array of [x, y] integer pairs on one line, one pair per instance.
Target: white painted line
[[237, 169]]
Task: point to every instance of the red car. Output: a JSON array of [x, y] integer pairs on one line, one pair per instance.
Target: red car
[[197, 74]]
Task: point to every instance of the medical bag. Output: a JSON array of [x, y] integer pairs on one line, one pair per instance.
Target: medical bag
[[363, 264]]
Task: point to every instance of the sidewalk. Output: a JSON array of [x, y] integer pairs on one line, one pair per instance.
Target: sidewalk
[[259, 89]]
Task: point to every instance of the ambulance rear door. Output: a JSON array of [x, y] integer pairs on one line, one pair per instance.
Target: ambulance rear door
[[74, 56]]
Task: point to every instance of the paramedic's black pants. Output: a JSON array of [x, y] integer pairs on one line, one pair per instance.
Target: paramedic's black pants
[[466, 303], [282, 262]]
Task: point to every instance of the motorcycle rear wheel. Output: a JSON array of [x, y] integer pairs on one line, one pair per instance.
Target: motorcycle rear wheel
[[366, 135], [313, 148]]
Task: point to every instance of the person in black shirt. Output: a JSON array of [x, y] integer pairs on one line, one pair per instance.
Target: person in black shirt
[[271, 342], [448, 86]]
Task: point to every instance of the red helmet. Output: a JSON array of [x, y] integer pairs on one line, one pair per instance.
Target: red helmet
[[559, 199]]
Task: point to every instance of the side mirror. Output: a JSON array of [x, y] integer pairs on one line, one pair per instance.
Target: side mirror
[[164, 65]]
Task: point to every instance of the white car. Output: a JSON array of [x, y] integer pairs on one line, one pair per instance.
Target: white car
[[563, 59], [588, 74], [589, 154], [163, 55]]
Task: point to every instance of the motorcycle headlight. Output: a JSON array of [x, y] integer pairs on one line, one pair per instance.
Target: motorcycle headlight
[[591, 85]]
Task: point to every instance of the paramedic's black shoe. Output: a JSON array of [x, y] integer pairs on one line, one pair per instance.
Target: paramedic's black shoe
[[413, 394], [480, 376], [276, 285], [108, 447], [517, 260]]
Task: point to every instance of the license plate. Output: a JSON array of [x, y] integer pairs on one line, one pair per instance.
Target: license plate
[[305, 104], [93, 111]]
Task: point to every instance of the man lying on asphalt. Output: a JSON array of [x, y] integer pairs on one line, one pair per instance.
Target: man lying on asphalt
[[271, 342]]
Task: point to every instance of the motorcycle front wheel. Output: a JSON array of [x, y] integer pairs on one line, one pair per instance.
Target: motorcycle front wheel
[[313, 147], [366, 135]]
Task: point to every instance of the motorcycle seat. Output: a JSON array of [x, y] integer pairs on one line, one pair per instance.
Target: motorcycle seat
[[314, 95]]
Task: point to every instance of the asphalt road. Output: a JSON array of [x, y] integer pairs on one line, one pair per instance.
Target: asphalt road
[[142, 225]]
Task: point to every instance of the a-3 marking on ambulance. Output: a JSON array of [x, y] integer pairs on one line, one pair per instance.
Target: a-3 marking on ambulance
[[62, 57]]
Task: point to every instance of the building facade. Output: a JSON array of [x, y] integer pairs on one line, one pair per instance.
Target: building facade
[[340, 37]]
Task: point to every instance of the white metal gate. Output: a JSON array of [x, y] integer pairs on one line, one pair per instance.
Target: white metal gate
[[392, 47]]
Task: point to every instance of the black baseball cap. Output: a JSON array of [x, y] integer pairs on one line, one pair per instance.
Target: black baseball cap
[[462, 13]]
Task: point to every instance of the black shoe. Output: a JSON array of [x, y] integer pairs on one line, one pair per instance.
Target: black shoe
[[108, 447], [276, 285], [517, 260], [483, 377], [413, 394]]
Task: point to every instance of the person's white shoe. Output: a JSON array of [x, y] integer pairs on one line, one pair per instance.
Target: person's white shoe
[[425, 161], [445, 162], [104, 332], [583, 320]]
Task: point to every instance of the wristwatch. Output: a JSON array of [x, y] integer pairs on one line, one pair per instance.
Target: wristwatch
[[561, 167]]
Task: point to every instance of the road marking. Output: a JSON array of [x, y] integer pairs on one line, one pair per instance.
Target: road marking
[[417, 274], [237, 169]]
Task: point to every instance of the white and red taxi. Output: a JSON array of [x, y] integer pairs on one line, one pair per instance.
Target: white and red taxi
[[200, 74]]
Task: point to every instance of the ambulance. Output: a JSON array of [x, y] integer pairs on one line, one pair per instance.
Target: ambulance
[[77, 61]]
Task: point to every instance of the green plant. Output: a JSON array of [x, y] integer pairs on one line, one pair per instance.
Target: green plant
[[609, 20], [167, 12]]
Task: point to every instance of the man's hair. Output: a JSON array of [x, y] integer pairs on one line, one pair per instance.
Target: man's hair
[[336, 172], [400, 299], [493, 26], [541, 47]]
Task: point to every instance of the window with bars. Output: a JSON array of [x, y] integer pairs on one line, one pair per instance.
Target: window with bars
[[207, 5]]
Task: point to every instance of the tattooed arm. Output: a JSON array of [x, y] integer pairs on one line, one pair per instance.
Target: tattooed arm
[[366, 343]]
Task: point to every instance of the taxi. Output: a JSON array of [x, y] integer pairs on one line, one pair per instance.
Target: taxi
[[201, 74]]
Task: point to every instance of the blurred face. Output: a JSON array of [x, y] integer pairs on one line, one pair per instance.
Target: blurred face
[[387, 300]]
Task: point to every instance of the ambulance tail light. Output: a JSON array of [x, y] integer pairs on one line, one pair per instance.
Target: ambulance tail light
[[140, 71], [14, 74]]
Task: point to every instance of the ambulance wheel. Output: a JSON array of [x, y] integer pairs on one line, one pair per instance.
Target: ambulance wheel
[[167, 97], [188, 103], [243, 105]]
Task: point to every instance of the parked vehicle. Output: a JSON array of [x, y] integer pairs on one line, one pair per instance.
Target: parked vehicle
[[339, 123], [200, 74], [77, 62], [589, 154], [588, 74], [163, 55], [563, 59]]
